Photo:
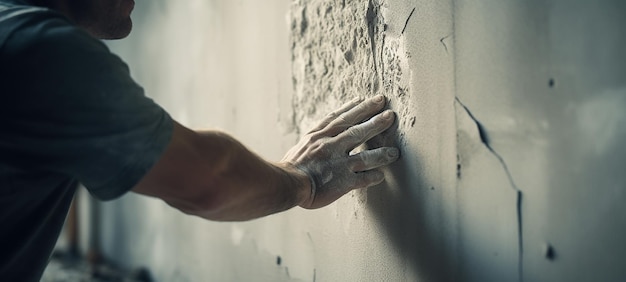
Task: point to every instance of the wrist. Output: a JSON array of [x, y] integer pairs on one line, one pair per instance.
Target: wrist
[[299, 182]]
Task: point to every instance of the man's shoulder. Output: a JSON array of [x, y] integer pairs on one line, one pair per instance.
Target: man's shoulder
[[14, 15], [31, 25]]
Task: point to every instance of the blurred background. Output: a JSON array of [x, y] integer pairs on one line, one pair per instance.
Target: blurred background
[[511, 124]]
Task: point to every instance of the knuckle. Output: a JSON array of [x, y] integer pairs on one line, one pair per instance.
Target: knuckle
[[371, 124], [362, 107], [342, 120], [356, 164], [308, 139], [322, 147], [332, 114], [355, 131], [372, 157], [364, 111], [314, 137], [338, 124], [366, 157]]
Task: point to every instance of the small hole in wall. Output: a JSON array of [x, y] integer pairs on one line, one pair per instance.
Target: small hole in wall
[[458, 164], [279, 260], [548, 252], [551, 83]]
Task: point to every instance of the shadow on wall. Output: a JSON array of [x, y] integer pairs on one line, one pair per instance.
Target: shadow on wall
[[402, 208]]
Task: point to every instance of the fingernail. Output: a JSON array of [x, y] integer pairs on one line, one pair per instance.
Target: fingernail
[[393, 152], [387, 114], [379, 98]]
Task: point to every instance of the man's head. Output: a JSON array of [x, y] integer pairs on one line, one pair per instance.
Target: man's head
[[105, 19]]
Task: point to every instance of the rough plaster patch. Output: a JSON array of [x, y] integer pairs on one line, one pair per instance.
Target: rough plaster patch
[[341, 49]]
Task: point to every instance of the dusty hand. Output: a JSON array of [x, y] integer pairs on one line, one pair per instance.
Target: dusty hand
[[324, 153]]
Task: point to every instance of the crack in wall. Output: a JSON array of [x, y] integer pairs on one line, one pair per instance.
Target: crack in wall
[[372, 20], [442, 40], [484, 138], [406, 23]]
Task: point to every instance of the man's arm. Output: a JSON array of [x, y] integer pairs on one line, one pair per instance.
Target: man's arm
[[210, 174]]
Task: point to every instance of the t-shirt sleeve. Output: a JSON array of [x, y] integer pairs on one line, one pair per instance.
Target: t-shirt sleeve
[[68, 105]]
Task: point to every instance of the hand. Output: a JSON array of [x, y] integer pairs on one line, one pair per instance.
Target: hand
[[324, 153]]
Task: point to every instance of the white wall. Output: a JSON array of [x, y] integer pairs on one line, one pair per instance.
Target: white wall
[[211, 65], [498, 164]]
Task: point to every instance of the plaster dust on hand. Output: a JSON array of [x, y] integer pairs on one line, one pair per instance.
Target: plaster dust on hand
[[343, 49]]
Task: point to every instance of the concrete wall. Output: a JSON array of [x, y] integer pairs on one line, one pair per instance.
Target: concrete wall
[[510, 119]]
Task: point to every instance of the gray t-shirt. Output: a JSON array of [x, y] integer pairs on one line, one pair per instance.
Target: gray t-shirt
[[69, 113]]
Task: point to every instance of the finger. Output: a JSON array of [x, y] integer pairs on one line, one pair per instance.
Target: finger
[[371, 159], [359, 134], [368, 178], [357, 114], [334, 114]]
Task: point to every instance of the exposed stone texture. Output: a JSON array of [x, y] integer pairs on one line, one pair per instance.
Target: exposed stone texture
[[341, 50]]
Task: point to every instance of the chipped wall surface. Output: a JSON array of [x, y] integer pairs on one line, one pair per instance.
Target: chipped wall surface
[[509, 117]]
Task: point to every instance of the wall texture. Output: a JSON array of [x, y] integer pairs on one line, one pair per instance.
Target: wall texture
[[510, 122]]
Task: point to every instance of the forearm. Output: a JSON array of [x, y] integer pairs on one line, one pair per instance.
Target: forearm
[[244, 186], [212, 175]]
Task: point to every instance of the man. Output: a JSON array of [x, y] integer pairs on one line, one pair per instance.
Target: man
[[71, 113]]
